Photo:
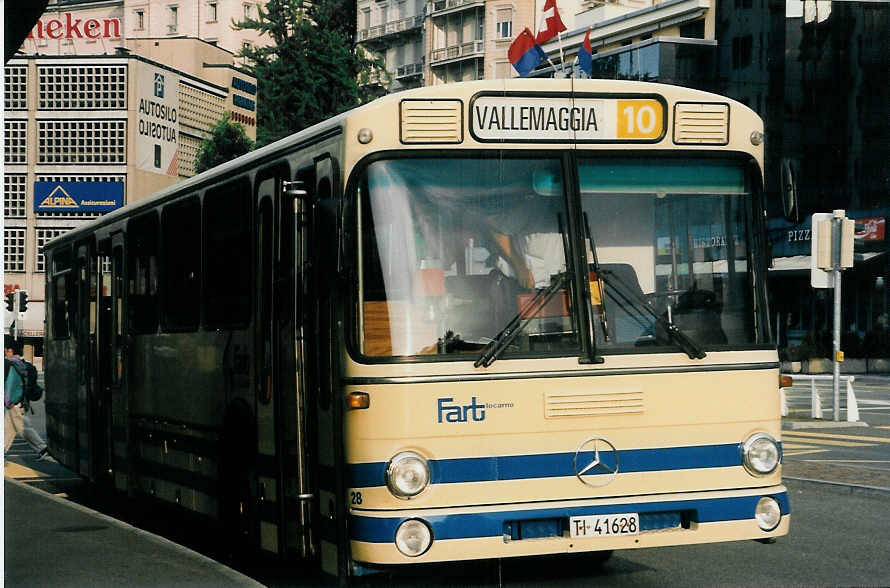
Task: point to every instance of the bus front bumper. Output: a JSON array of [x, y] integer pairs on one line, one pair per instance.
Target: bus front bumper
[[514, 530]]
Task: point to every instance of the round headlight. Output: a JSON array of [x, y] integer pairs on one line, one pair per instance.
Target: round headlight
[[760, 454], [768, 513], [413, 537], [407, 474]]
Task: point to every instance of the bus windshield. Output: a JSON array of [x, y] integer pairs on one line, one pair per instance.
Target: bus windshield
[[454, 250], [671, 240]]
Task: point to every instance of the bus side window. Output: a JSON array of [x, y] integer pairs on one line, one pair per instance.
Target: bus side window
[[181, 265], [62, 311], [142, 273], [227, 255]]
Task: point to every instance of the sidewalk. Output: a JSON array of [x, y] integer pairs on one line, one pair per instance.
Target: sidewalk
[[50, 541]]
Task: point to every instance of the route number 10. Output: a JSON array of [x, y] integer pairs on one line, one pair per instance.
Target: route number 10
[[640, 119]]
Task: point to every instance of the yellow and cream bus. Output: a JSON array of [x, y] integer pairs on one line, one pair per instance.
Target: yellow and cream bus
[[484, 320]]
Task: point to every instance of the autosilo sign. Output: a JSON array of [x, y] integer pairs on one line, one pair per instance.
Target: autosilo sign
[[157, 121]]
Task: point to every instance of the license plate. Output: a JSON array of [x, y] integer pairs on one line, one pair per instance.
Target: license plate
[[605, 525]]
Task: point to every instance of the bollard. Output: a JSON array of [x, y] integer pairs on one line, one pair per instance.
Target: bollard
[[815, 403], [852, 405]]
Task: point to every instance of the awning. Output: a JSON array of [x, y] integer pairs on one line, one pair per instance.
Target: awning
[[802, 262]]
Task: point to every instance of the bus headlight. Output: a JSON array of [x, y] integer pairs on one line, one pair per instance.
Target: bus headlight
[[760, 454], [768, 513], [407, 474], [413, 537]]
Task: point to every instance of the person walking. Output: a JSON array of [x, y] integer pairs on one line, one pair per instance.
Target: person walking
[[16, 418]]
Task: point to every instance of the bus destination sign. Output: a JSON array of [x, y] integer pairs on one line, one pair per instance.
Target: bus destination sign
[[536, 119]]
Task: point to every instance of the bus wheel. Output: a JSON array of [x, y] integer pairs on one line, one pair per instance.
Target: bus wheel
[[236, 465]]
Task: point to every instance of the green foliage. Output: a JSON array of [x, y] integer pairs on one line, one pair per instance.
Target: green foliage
[[227, 141], [312, 69]]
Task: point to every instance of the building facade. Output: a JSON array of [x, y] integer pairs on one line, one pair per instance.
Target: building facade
[[94, 120]]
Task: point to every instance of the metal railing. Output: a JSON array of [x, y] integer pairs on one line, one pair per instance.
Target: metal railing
[[816, 401], [390, 28], [409, 69], [470, 49], [443, 5]]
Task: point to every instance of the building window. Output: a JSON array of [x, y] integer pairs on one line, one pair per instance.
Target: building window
[[211, 12], [504, 24], [365, 19], [172, 18], [81, 141], [139, 16], [248, 10], [13, 249], [741, 51], [14, 143], [14, 195], [44, 236], [15, 87], [78, 178], [82, 87]]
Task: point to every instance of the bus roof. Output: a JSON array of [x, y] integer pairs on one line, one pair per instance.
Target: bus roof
[[336, 124]]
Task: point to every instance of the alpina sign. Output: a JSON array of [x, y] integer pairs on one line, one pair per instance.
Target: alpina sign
[[76, 28]]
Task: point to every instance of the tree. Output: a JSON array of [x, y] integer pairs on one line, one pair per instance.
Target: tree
[[227, 141], [312, 70]]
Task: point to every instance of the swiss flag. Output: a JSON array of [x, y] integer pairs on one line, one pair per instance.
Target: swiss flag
[[551, 24]]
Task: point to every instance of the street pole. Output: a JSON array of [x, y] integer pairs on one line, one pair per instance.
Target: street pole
[[836, 339]]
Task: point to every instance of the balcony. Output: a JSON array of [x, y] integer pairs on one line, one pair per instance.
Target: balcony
[[457, 52], [440, 7], [409, 70], [396, 27]]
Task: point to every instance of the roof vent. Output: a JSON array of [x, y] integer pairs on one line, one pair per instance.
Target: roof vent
[[431, 121], [701, 123]]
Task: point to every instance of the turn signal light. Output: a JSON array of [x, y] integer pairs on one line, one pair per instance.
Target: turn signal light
[[785, 381], [357, 400]]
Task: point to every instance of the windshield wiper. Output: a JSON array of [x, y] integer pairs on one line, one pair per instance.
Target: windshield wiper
[[518, 323], [692, 349]]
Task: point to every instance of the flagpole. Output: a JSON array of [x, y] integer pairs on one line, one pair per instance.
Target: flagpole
[[562, 59]]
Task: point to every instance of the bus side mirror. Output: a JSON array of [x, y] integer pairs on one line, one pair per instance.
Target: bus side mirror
[[790, 204]]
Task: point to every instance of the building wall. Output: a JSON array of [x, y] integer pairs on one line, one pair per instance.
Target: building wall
[[209, 20]]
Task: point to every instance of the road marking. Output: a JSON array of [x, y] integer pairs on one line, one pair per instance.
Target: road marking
[[16, 471], [834, 436], [882, 427], [794, 453], [829, 442], [793, 446], [854, 460]]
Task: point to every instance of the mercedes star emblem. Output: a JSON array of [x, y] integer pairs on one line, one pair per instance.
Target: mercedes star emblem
[[604, 470]]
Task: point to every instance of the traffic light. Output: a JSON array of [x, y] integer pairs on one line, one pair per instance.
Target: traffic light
[[23, 301], [10, 302]]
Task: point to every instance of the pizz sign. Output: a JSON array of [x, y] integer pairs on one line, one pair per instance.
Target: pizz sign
[[76, 28]]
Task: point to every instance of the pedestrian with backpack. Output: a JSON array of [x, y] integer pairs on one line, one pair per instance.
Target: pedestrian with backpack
[[20, 390]]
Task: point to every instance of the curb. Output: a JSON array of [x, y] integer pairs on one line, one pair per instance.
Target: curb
[[846, 488], [233, 575]]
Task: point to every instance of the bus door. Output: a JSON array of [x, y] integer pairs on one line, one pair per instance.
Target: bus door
[[270, 467], [109, 360], [87, 281], [323, 343]]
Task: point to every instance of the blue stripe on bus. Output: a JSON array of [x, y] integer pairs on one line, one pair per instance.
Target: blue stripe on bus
[[491, 524], [551, 465]]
